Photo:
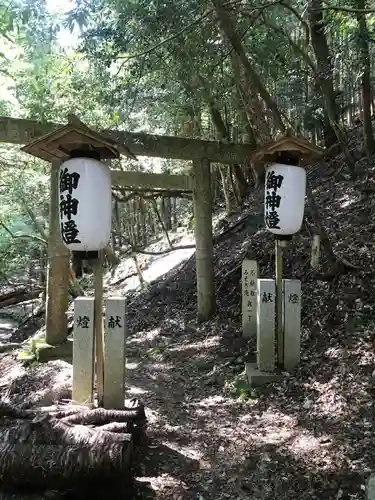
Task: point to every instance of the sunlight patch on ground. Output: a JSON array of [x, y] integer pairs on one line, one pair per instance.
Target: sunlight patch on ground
[[335, 352], [145, 336], [152, 416], [304, 443], [199, 346], [155, 266], [278, 429], [212, 401], [274, 427], [273, 434], [346, 201], [167, 482], [15, 372], [169, 261], [187, 451], [330, 402], [136, 391], [132, 365], [159, 367]]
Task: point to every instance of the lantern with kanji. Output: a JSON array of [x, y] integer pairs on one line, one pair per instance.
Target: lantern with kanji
[[284, 198], [85, 203], [84, 194]]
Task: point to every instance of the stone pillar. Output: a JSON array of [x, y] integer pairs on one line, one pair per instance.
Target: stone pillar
[[266, 325], [203, 239], [249, 298], [292, 323], [83, 350], [114, 353], [58, 271]]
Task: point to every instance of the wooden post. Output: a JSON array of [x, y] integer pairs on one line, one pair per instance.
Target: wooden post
[[114, 353], [204, 241], [266, 325], [58, 271], [83, 350], [249, 298], [315, 251], [279, 302], [98, 315], [292, 323]]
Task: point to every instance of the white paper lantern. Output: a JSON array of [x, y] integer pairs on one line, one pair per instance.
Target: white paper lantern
[[284, 198], [85, 203]]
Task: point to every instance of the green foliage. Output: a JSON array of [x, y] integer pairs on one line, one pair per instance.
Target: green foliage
[[241, 389]]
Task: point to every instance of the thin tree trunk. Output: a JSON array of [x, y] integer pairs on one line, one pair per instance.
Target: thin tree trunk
[[174, 214], [228, 201], [364, 53], [142, 216], [237, 195], [157, 213], [325, 76], [314, 213], [223, 135], [229, 30]]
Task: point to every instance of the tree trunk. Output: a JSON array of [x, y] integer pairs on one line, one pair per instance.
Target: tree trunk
[[325, 76], [168, 214], [174, 215], [328, 132], [228, 201], [161, 222], [364, 54], [118, 226], [229, 30], [142, 216], [258, 127], [314, 213], [234, 186], [223, 135]]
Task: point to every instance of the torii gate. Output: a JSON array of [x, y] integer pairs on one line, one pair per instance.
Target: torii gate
[[201, 153]]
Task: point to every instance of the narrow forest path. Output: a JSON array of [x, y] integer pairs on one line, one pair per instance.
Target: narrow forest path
[[300, 439]]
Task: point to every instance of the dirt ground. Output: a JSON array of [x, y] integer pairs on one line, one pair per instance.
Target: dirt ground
[[309, 437]]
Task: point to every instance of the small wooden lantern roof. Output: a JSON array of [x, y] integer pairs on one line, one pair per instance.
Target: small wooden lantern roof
[[297, 147], [58, 145]]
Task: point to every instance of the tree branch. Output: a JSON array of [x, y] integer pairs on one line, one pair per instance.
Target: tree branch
[[294, 11], [34, 220], [6, 229], [164, 41], [31, 237], [293, 44], [351, 10], [266, 5]]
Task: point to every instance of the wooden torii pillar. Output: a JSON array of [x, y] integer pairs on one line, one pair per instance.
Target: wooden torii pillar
[[202, 199]]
